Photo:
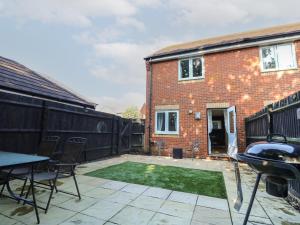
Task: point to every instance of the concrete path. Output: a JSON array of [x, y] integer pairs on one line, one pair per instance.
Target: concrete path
[[113, 202]]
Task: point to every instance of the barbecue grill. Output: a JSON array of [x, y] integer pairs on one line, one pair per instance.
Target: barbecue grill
[[277, 160]]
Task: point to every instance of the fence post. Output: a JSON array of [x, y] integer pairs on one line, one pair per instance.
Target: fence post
[[44, 121], [270, 119], [120, 122], [113, 136], [130, 135]]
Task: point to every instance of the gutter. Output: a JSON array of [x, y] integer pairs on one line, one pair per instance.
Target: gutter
[[226, 46]]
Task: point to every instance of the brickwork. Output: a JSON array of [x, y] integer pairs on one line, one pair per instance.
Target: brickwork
[[232, 77]]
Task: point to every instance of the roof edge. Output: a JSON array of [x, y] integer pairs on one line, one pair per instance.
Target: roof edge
[[229, 43]]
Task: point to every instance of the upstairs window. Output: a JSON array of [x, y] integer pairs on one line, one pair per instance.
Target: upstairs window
[[167, 122], [278, 57], [192, 68]]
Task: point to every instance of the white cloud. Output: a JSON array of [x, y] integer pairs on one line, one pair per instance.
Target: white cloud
[[147, 3], [70, 12], [129, 21], [119, 104], [123, 62], [194, 13]]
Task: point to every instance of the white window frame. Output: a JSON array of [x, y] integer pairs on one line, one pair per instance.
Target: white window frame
[[167, 122], [294, 58], [191, 68]]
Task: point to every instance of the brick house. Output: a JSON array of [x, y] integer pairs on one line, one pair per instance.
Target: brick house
[[201, 91]]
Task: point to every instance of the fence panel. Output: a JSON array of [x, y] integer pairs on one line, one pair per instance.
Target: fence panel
[[25, 121], [283, 118], [257, 126]]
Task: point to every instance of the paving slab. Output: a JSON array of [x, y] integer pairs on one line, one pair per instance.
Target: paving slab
[[122, 197], [146, 202], [78, 205], [157, 192], [135, 188], [57, 198], [83, 188], [6, 220], [211, 216], [257, 209], [114, 185], [178, 209], [210, 202], [238, 219], [55, 215], [82, 219], [183, 197], [163, 219], [99, 193], [97, 182], [132, 216], [103, 209]]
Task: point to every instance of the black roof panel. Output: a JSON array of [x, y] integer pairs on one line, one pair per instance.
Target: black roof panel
[[16, 77]]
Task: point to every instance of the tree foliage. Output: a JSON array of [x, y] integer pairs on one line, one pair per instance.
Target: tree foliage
[[131, 112]]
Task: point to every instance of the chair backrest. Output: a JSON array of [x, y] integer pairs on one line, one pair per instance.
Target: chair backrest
[[48, 146], [73, 148]]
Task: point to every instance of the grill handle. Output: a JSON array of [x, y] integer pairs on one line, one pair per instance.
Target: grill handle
[[270, 138]]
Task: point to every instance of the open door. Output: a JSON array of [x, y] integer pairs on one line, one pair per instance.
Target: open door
[[231, 132], [232, 152], [209, 128]]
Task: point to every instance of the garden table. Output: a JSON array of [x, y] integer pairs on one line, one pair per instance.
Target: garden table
[[11, 160]]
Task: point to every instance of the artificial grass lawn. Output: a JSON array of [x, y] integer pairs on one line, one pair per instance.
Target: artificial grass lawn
[[202, 182]]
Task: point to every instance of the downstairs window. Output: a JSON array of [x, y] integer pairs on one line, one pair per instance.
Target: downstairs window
[[167, 122]]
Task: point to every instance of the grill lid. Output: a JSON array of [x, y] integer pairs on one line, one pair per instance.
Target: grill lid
[[274, 149]]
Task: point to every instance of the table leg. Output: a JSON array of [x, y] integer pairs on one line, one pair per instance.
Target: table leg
[[33, 195]]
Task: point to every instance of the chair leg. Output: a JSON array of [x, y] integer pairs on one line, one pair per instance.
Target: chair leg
[[33, 195], [75, 181], [2, 189], [28, 191], [56, 190], [23, 188], [50, 196]]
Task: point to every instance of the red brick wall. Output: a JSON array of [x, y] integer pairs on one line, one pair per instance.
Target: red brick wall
[[232, 77]]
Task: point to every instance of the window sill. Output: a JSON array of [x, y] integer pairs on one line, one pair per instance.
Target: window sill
[[166, 135], [278, 70], [191, 80]]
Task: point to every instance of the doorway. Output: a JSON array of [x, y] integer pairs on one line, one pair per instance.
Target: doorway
[[222, 132], [217, 135]]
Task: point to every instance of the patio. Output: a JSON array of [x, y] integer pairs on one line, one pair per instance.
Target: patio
[[113, 202]]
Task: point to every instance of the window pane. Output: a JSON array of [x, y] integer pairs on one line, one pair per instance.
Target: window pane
[[184, 66], [172, 121], [197, 67], [160, 122], [268, 58], [285, 56]]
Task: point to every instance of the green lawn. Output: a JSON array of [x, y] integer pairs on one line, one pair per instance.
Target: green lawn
[[201, 182]]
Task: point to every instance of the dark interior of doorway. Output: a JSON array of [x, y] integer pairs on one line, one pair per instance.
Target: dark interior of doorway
[[218, 135]]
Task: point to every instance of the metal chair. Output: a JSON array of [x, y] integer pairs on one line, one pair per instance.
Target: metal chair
[[68, 161], [47, 147], [62, 167]]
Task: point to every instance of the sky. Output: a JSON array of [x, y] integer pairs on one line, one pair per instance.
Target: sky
[[96, 47]]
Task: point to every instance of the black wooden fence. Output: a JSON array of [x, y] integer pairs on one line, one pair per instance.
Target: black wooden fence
[[282, 117], [25, 120]]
